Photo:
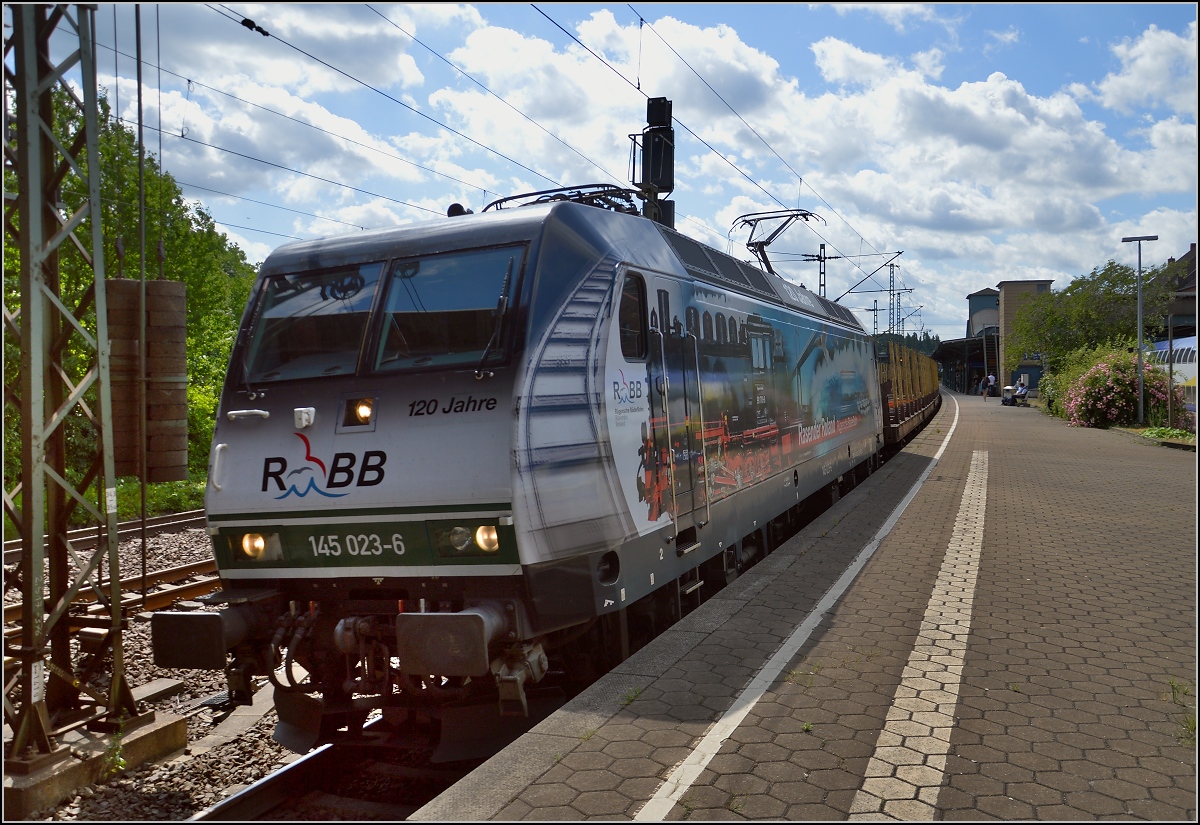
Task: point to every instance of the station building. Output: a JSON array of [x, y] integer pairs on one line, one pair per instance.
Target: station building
[[990, 315]]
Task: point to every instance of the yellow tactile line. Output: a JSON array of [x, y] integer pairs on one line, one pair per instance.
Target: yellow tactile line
[[905, 774]]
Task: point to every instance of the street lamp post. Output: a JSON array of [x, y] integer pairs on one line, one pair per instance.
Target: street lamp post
[[1139, 239]]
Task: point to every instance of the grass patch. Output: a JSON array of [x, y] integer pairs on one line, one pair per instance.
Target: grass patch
[[161, 498], [803, 677], [1168, 434], [1181, 695]]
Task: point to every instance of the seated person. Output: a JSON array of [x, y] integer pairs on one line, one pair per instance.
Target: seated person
[[1022, 393]]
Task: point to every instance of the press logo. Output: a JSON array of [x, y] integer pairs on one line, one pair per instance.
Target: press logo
[[346, 469]]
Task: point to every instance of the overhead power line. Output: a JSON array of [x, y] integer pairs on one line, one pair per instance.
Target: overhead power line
[[465, 74], [256, 229], [295, 171], [709, 146], [718, 94], [766, 143], [250, 24], [277, 113], [264, 203], [682, 125]]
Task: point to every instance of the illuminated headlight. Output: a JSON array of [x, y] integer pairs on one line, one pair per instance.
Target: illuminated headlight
[[361, 409], [262, 547], [358, 412], [466, 540], [487, 539], [460, 538], [254, 545]]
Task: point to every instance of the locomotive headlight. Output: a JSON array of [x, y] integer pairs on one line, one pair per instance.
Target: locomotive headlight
[[254, 545], [363, 408], [460, 538], [262, 546], [487, 539]]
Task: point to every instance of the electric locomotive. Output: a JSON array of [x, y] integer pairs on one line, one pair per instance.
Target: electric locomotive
[[453, 457]]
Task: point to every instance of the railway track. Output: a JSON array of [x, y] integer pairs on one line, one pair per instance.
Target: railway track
[[86, 538], [181, 582], [173, 576], [384, 777]]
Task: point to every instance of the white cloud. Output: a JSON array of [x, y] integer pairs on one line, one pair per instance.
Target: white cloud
[[930, 62], [895, 14], [360, 45], [842, 63], [1158, 68], [1005, 38], [978, 181]]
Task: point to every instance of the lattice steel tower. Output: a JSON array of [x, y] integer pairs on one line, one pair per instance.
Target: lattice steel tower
[[60, 387]]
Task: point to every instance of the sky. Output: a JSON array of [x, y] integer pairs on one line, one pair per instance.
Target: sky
[[984, 142]]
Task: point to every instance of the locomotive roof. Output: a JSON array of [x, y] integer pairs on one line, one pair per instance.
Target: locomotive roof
[[526, 223], [716, 267]]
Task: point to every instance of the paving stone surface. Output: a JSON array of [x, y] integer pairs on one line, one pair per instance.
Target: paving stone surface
[[1069, 699]]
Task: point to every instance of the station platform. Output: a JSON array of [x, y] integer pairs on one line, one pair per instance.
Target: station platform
[[999, 624]]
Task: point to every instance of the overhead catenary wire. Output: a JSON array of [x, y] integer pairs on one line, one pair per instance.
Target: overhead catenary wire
[[765, 143], [682, 125], [256, 229], [641, 22], [188, 185], [297, 171], [701, 140], [368, 147], [183, 132], [252, 26], [465, 74]]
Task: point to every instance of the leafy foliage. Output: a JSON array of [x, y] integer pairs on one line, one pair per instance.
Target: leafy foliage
[[1093, 310], [921, 342], [182, 243], [1172, 433], [1106, 395], [1068, 368]]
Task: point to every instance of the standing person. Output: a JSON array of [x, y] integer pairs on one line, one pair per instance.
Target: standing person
[[991, 379], [983, 388]]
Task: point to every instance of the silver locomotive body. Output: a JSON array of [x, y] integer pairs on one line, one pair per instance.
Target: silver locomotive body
[[447, 453]]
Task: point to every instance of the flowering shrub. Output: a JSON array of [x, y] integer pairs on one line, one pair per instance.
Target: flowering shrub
[[1053, 385], [1106, 395]]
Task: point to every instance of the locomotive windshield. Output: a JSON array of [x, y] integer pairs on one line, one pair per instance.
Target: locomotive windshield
[[311, 324], [444, 310]]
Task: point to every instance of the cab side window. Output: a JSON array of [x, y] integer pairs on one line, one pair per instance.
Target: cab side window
[[631, 318]]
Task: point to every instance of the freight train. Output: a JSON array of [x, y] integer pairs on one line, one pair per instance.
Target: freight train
[[455, 457]]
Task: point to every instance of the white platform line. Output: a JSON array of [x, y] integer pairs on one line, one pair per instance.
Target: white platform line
[[680, 780], [906, 771]]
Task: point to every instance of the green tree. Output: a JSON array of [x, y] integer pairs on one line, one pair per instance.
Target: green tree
[[918, 341], [181, 244], [1093, 310]]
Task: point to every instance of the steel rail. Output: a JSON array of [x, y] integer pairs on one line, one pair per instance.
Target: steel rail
[[12, 611], [85, 538]]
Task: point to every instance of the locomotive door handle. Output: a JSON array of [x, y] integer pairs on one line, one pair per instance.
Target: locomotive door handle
[[217, 465], [233, 415]]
